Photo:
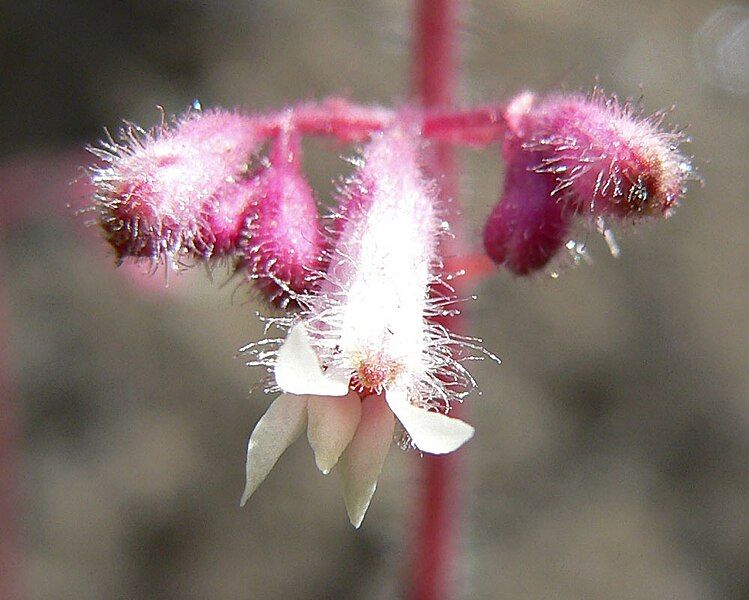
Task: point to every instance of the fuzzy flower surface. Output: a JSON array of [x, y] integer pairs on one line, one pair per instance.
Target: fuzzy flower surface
[[365, 350], [158, 191], [580, 159]]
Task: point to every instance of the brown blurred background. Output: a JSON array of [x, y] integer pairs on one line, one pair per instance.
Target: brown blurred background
[[612, 455]]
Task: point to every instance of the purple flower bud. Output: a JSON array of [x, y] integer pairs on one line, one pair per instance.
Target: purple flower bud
[[613, 160]]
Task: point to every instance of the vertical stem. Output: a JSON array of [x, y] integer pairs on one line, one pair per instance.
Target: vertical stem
[[9, 558], [436, 51], [435, 57], [433, 568]]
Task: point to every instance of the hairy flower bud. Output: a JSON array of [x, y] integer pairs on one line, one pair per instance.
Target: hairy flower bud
[[281, 244], [380, 273], [158, 192], [572, 156]]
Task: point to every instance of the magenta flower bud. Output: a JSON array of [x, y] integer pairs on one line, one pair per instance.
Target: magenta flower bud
[[527, 228], [281, 244], [572, 156], [160, 189]]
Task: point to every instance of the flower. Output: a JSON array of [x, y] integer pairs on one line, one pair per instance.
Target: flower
[[366, 350]]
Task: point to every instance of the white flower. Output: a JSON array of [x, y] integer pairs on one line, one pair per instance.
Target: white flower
[[366, 350]]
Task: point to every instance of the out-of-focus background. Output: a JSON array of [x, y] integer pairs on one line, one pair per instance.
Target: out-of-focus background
[[612, 454]]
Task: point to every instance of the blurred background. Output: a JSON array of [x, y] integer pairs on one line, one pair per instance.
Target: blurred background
[[612, 454]]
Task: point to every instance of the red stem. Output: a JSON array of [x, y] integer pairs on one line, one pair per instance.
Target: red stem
[[432, 572]]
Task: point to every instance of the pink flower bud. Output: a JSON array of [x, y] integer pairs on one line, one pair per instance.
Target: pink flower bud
[[613, 160], [281, 245], [573, 156], [159, 189]]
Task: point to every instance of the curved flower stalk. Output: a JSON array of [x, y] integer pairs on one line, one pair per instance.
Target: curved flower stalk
[[186, 192], [365, 350]]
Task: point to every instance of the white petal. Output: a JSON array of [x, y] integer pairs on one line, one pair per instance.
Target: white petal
[[362, 461], [298, 371], [276, 430], [331, 424], [430, 431]]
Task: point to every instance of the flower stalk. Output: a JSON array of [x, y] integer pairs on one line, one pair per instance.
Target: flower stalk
[[433, 569]]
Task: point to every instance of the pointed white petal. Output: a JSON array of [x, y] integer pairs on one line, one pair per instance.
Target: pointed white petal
[[331, 424], [276, 430], [362, 461], [298, 371], [430, 431]]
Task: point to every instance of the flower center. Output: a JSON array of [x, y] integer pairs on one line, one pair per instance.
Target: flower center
[[375, 371]]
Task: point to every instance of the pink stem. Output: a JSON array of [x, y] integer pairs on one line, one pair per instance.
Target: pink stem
[[432, 572], [475, 127], [338, 118]]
